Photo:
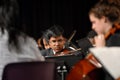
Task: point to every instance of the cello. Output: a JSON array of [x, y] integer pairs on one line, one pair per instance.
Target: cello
[[89, 68]]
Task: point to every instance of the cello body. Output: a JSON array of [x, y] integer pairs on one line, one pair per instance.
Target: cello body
[[89, 68], [84, 70]]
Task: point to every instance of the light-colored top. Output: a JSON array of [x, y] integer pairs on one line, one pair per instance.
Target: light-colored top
[[109, 57], [29, 51]]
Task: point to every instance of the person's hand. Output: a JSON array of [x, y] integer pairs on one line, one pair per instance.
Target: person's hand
[[99, 40], [118, 78]]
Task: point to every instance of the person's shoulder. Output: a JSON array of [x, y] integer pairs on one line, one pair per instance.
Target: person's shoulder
[[28, 43], [45, 52], [25, 39], [84, 42], [116, 35], [114, 40]]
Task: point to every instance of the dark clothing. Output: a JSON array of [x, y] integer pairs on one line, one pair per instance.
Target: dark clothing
[[47, 52], [84, 44], [114, 40]]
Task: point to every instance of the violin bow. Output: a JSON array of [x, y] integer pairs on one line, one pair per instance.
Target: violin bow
[[74, 32]]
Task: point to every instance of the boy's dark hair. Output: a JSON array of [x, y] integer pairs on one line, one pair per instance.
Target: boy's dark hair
[[54, 31]]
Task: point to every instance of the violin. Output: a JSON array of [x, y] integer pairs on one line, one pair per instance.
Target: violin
[[66, 52], [89, 68], [68, 44]]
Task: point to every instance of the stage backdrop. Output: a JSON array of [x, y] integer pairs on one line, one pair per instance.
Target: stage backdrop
[[38, 15]]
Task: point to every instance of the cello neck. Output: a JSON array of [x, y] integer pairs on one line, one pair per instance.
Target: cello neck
[[112, 30]]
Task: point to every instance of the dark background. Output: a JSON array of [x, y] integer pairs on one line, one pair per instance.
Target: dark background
[[38, 15]]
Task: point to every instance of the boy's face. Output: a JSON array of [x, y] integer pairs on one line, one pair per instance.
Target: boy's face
[[57, 43]]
